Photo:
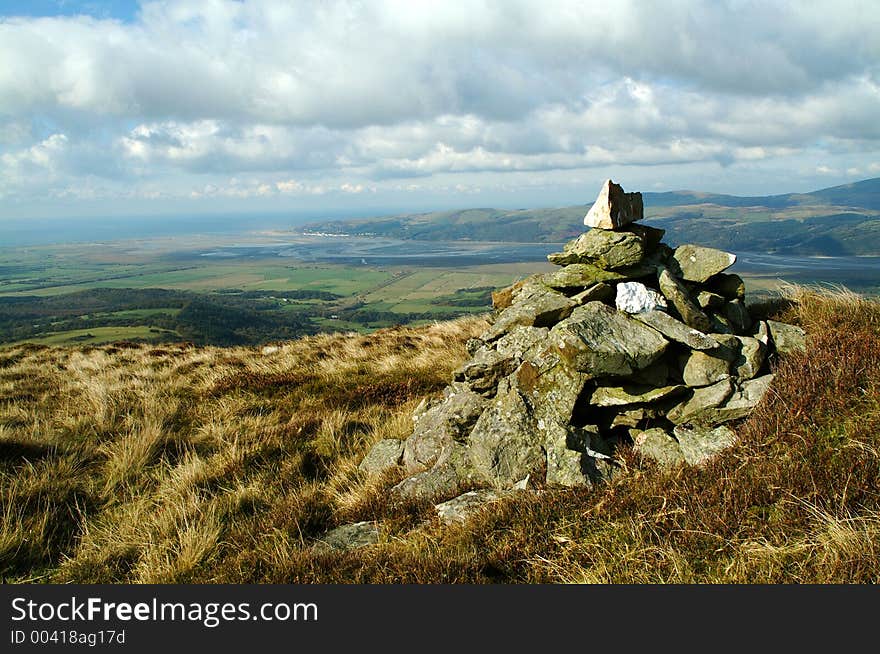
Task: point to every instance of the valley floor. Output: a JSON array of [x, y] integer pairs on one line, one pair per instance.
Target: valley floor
[[174, 463]]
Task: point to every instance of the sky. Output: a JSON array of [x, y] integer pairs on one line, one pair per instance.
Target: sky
[[183, 106]]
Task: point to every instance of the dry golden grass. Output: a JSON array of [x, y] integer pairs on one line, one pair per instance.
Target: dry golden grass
[[133, 464]]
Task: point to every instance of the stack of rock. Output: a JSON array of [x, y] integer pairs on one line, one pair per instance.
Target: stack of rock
[[629, 341]]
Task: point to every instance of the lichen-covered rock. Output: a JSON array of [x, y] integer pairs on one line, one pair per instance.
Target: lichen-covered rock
[[678, 295], [787, 339], [437, 426], [485, 369], [657, 444], [603, 248], [705, 368], [750, 357], [550, 387], [450, 472], [600, 341], [698, 264], [534, 305], [701, 402], [565, 466], [382, 457], [676, 330], [614, 208], [635, 297], [699, 443], [522, 342], [605, 396], [583, 275], [504, 445], [351, 536], [459, 509], [741, 402]]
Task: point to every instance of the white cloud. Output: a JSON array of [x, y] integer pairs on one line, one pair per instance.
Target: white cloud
[[311, 97]]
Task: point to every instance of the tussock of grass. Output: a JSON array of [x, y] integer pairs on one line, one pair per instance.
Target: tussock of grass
[[205, 464]]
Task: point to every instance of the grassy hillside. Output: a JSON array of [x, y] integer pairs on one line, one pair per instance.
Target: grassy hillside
[[141, 464], [843, 220]]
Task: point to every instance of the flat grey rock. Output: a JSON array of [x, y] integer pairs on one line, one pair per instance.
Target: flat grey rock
[[702, 401], [459, 509], [351, 536], [657, 444], [600, 341], [787, 339], [699, 444], [382, 457], [676, 330], [698, 264], [677, 294]]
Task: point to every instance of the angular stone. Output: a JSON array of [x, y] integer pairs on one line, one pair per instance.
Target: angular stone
[[436, 427], [635, 297], [698, 264], [383, 456], [699, 444], [702, 401], [534, 305], [750, 357], [600, 292], [550, 387], [728, 285], [708, 300], [624, 395], [736, 313], [583, 275], [522, 342], [504, 446], [459, 509], [678, 295], [705, 368], [787, 339], [351, 536], [485, 369], [565, 466], [451, 471], [472, 345], [658, 445], [600, 341], [602, 248], [614, 208], [742, 402], [676, 330]]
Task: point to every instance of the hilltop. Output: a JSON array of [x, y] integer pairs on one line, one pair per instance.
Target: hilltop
[[841, 220], [137, 463]]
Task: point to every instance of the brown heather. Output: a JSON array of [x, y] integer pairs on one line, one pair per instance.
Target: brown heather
[[181, 464]]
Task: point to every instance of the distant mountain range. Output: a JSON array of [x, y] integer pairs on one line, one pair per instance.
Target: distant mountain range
[[836, 221]]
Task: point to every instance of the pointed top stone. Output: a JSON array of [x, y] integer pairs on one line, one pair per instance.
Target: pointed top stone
[[614, 208]]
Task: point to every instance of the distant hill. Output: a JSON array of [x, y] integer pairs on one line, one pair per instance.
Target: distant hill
[[836, 221]]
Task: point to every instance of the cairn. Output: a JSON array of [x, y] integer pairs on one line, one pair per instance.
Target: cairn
[[629, 341]]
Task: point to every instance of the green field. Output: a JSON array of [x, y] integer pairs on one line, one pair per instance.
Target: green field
[[98, 335]]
